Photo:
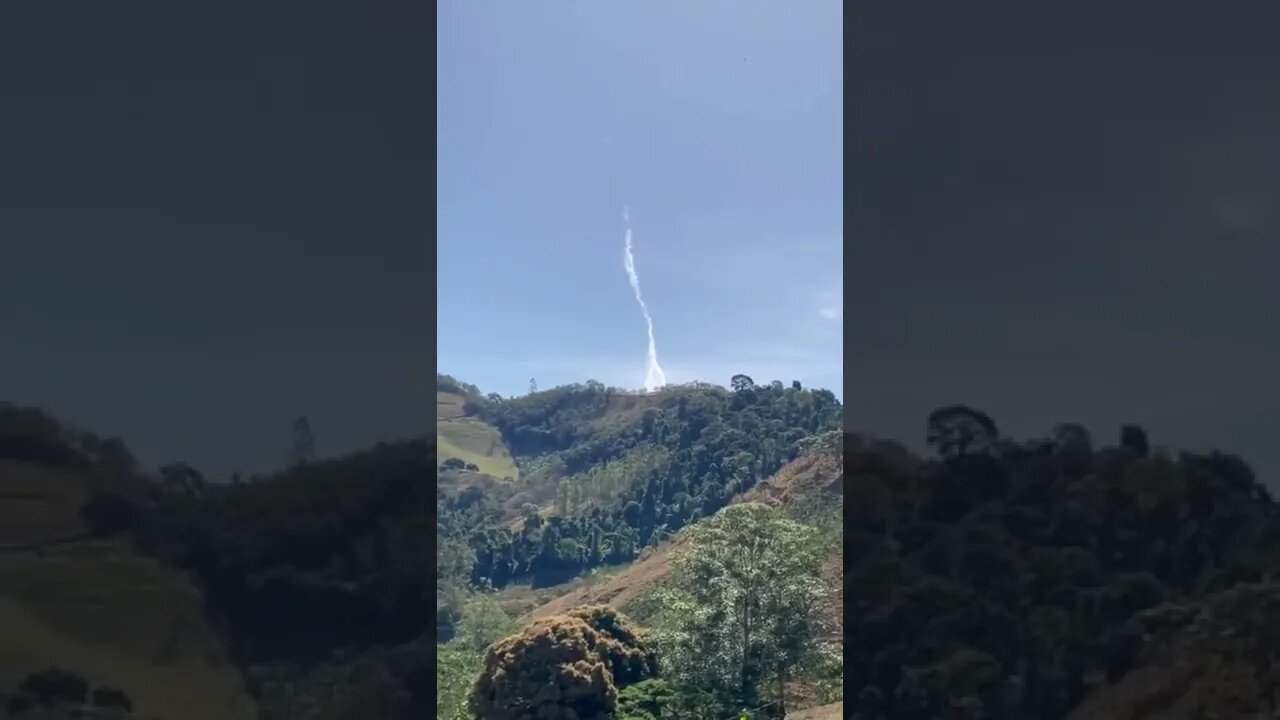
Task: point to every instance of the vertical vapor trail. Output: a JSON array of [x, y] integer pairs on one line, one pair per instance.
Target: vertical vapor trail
[[654, 378]]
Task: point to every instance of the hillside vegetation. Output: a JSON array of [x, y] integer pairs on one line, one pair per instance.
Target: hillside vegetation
[[316, 576], [809, 488], [611, 481], [1213, 658], [624, 471], [305, 591], [97, 609], [467, 439], [662, 556], [1008, 579]]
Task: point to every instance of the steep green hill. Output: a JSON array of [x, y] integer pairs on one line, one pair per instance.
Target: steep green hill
[[810, 488], [611, 478], [96, 608], [623, 471], [470, 440]]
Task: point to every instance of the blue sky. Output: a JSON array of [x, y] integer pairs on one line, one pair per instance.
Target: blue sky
[[719, 124]]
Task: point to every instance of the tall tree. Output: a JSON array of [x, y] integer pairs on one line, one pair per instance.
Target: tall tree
[[959, 430], [1134, 438], [304, 442], [739, 608]]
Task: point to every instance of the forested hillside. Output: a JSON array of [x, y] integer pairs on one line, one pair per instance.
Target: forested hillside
[[607, 479], [316, 577], [1015, 579], [626, 471], [996, 578]]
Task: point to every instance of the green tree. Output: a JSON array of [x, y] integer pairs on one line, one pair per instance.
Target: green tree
[[483, 623], [304, 442], [457, 668], [566, 667], [1134, 438], [739, 609], [959, 430], [658, 699]]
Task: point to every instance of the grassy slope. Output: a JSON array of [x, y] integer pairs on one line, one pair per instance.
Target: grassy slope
[[38, 505], [834, 711], [96, 608], [470, 440]]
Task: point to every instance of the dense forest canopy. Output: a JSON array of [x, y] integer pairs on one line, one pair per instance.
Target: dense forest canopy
[[629, 470], [1009, 579]]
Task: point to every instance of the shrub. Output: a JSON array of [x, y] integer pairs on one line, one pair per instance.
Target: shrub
[[111, 698], [48, 686], [568, 666]]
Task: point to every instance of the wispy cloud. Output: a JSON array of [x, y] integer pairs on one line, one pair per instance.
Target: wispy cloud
[[831, 305]]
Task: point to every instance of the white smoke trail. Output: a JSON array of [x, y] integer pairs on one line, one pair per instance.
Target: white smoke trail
[[654, 378]]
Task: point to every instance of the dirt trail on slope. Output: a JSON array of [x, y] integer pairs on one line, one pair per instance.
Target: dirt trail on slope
[[618, 590]]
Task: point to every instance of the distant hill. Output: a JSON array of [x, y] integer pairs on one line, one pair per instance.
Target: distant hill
[[462, 436], [299, 595], [39, 505], [96, 608]]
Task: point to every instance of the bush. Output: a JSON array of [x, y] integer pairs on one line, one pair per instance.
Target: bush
[[48, 686], [106, 515], [630, 659], [17, 704], [568, 666], [111, 698], [658, 699]]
